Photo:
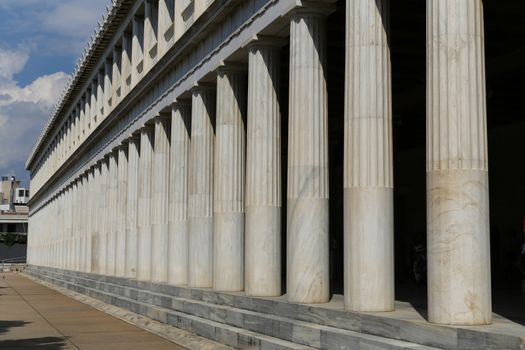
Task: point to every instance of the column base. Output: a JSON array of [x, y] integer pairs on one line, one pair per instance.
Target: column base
[[458, 240], [144, 254], [263, 251], [369, 249], [200, 245], [307, 258], [228, 251], [178, 253], [159, 253]]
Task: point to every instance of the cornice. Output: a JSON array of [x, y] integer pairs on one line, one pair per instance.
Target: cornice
[[91, 54]]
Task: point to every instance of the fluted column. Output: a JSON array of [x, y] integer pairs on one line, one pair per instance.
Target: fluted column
[[121, 202], [132, 207], [95, 217], [81, 224], [200, 198], [178, 208], [88, 222], [263, 173], [229, 179], [144, 209], [308, 222], [103, 215], [78, 224], [459, 289], [112, 214], [368, 173], [160, 203]]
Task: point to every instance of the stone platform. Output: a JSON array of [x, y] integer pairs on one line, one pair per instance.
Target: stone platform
[[273, 323]]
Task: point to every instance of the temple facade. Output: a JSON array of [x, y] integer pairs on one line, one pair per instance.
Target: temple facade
[[248, 148]]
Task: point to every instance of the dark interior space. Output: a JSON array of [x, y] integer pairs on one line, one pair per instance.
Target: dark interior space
[[505, 54]]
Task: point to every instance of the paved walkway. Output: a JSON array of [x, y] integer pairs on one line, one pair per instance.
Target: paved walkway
[[35, 317]]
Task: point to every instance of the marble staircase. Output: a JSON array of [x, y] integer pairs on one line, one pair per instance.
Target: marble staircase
[[273, 323]]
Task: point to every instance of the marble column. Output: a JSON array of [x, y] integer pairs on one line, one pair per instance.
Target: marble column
[[368, 172], [81, 223], [111, 214], [88, 223], [458, 236], [103, 215], [95, 217], [132, 207], [160, 203], [308, 222], [229, 179], [263, 173], [200, 199], [144, 207], [178, 199], [78, 224], [121, 202]]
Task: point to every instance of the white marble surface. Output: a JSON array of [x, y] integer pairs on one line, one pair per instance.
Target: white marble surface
[[103, 213], [178, 201], [200, 196], [144, 205], [160, 203], [132, 207], [263, 173], [122, 204], [308, 219], [229, 179], [458, 236], [111, 235], [368, 170]]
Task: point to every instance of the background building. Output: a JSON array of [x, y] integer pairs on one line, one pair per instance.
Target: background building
[[209, 155], [13, 220]]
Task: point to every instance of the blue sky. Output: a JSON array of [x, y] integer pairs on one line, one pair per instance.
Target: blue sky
[[40, 41]]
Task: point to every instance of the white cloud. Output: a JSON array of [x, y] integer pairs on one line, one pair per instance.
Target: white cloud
[[12, 62], [23, 109]]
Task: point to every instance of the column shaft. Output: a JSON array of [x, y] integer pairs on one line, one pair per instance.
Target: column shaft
[[308, 222], [458, 239], [178, 214], [160, 203], [368, 173], [132, 212], [111, 237], [121, 201], [200, 203], [144, 209], [103, 215], [229, 179], [95, 217], [263, 174]]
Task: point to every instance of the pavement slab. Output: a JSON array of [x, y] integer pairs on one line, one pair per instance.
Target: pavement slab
[[33, 316]]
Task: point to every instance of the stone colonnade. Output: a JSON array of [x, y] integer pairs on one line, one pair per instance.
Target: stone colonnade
[[194, 198]]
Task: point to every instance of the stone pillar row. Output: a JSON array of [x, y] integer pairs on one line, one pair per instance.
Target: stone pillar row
[[194, 197]]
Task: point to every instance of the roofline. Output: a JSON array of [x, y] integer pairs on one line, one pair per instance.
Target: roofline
[[92, 52]]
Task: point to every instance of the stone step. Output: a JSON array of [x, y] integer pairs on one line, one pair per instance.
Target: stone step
[[305, 333], [229, 335], [404, 324]]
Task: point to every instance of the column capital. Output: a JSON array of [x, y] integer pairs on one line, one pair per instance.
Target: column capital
[[204, 86], [122, 146], [232, 66], [181, 103], [148, 127], [312, 8], [265, 41], [162, 116]]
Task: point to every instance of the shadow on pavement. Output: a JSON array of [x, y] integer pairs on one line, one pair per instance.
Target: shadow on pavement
[[44, 343]]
